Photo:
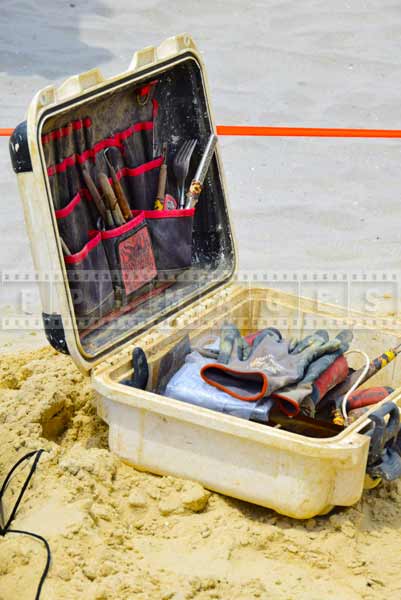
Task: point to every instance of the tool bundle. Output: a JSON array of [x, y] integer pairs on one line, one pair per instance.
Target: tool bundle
[[304, 386], [310, 377], [123, 205], [249, 376]]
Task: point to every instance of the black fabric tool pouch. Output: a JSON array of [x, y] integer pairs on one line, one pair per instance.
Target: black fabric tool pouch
[[130, 256], [90, 281], [141, 183], [82, 144], [65, 149], [139, 172], [74, 223], [137, 141], [171, 235]]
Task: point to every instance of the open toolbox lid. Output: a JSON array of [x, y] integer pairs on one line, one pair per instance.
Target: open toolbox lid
[[162, 97]]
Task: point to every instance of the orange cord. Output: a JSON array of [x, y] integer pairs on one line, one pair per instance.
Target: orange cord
[[307, 132], [290, 132]]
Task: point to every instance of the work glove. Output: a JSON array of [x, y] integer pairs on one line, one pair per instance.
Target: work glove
[[188, 386], [320, 377], [271, 363]]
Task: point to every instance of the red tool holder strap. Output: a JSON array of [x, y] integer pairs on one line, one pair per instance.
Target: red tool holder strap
[[290, 132]]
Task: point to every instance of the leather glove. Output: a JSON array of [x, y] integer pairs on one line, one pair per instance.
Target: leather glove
[[257, 371]]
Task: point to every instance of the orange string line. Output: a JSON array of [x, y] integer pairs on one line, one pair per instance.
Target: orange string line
[[307, 132], [243, 130]]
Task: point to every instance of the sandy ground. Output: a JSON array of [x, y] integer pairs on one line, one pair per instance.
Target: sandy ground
[[301, 205], [118, 533]]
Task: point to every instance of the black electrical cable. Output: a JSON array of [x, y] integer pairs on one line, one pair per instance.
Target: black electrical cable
[[5, 528]]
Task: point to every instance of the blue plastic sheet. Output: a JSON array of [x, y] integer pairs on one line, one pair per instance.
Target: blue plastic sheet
[[188, 386]]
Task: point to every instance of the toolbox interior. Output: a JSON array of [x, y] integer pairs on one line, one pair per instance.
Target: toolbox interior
[[255, 309], [132, 122]]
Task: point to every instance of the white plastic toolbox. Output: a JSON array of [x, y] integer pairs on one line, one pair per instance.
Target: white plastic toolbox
[[293, 474], [298, 476]]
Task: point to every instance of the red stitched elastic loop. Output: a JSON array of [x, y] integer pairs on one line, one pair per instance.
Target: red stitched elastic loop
[[137, 220], [113, 141], [67, 210], [79, 256], [67, 130], [165, 214]]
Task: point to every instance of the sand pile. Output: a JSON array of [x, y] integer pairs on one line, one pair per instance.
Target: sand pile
[[116, 533]]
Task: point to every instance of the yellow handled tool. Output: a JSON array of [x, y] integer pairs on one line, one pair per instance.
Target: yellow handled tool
[[161, 186]]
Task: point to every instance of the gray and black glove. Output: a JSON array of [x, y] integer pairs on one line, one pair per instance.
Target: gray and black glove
[[271, 363]]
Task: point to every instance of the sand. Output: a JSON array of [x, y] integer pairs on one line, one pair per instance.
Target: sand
[[116, 532]]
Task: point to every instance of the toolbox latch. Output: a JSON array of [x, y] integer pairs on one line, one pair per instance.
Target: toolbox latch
[[384, 459], [19, 149]]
